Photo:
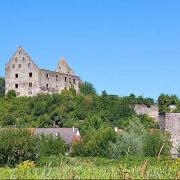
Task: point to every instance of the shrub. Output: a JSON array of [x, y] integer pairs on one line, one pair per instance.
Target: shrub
[[130, 142], [11, 94], [49, 145], [157, 143], [17, 146], [95, 143]]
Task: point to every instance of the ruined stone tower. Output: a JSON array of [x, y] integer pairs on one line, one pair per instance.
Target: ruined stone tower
[[27, 79]]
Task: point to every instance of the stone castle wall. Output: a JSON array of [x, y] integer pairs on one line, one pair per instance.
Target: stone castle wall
[[152, 111], [170, 122]]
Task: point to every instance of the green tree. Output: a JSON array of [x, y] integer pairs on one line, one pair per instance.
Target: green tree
[[11, 94], [2, 86], [87, 88]]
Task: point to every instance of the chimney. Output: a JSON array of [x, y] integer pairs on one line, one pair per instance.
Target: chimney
[[77, 134], [115, 129]]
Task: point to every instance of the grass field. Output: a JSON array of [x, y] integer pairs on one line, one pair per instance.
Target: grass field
[[95, 168]]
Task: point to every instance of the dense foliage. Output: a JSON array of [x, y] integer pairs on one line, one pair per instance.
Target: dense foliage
[[17, 145], [2, 86], [67, 110], [135, 139], [165, 102]]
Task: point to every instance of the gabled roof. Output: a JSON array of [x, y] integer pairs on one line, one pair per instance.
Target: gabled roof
[[64, 68], [67, 134], [17, 53]]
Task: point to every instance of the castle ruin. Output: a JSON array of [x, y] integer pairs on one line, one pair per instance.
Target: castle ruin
[[27, 79]]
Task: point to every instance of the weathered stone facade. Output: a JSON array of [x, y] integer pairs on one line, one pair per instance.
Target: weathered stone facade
[[152, 111], [170, 122], [27, 79]]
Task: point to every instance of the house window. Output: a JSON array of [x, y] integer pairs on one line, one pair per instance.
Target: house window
[[16, 75], [16, 86], [30, 74], [47, 86], [19, 65], [30, 84], [65, 79]]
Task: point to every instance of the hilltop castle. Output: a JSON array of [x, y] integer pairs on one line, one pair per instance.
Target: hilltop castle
[[27, 79]]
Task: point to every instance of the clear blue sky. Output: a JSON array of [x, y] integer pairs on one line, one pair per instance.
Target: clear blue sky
[[121, 46]]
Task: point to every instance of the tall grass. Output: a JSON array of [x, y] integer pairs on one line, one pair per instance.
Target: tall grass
[[87, 169]]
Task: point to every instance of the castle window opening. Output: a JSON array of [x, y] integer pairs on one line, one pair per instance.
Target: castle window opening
[[30, 74], [29, 65], [47, 86], [19, 65], [74, 80], [23, 58], [65, 79], [16, 59], [47, 75], [56, 77], [69, 80], [13, 66], [16, 86], [16, 75], [20, 52], [30, 84]]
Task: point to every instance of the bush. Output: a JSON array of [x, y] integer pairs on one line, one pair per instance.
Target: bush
[[48, 145], [139, 141], [17, 146], [157, 143], [11, 94], [95, 143], [130, 142]]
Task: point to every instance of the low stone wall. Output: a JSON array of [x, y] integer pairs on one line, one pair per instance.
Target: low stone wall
[[152, 111]]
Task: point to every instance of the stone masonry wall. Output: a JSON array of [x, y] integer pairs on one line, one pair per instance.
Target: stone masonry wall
[[170, 122], [152, 111]]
